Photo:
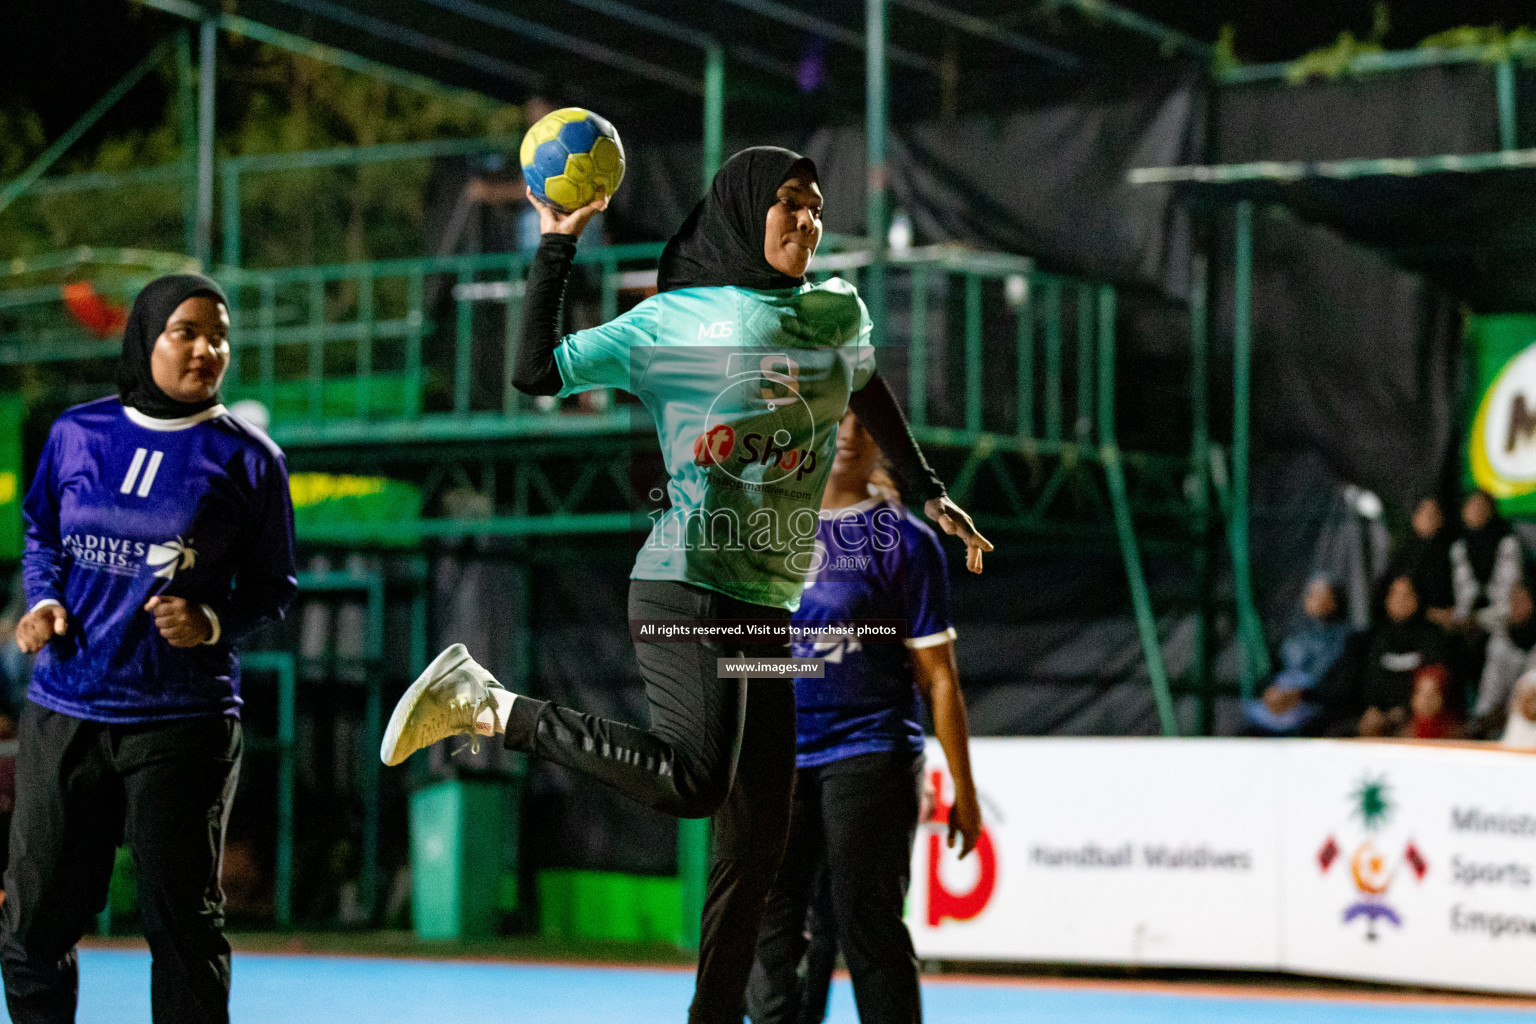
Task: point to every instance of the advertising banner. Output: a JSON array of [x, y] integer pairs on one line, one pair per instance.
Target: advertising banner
[[1107, 851], [1411, 864], [1384, 861], [1501, 441], [340, 506], [12, 487]]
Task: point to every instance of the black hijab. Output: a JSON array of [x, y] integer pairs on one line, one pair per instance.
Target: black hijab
[[1428, 561], [1483, 543], [721, 241], [151, 310]]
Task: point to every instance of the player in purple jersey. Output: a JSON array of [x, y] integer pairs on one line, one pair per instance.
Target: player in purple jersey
[[858, 778], [159, 531]]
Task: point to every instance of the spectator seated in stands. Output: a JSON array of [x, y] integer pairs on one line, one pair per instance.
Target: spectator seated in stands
[[1425, 555], [1485, 564], [1520, 731], [1511, 654], [1289, 705], [1401, 645], [1433, 706]]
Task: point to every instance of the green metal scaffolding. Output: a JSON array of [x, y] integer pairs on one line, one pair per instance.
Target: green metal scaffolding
[[349, 353]]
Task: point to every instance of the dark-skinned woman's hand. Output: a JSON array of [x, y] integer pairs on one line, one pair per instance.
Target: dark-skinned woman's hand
[[954, 521], [39, 626], [553, 222], [964, 821], [182, 623]]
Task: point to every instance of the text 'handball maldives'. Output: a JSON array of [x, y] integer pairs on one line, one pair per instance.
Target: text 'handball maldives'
[[569, 155]]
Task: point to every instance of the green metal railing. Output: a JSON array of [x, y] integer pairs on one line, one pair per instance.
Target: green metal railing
[[1002, 361], [370, 672], [326, 347], [400, 345], [280, 664], [369, 327], [233, 170]]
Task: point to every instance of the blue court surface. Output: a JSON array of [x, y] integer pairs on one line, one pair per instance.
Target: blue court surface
[[323, 989]]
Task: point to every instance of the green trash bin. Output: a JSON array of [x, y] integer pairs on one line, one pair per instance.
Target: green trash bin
[[463, 855]]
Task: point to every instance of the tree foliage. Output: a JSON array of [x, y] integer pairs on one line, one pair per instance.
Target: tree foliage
[[270, 101]]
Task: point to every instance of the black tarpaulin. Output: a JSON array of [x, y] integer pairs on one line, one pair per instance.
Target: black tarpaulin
[[1045, 181], [1425, 112], [1355, 364]]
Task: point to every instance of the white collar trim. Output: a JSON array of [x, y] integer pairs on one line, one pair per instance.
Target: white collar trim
[[179, 423], [849, 510]]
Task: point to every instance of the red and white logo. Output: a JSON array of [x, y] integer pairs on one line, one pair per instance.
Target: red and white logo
[[714, 446], [948, 898]]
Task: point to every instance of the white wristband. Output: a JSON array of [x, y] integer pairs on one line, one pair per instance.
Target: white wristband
[[44, 603], [213, 622]]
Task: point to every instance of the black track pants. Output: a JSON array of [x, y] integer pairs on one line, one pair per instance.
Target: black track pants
[[82, 788], [861, 814], [715, 747]]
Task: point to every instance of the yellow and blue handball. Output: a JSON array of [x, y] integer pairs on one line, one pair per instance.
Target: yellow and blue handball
[[568, 155]]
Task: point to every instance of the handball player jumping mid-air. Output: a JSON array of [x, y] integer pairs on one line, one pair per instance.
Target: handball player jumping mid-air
[[746, 368]]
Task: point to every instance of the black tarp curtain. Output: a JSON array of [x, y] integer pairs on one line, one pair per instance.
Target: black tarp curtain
[[1355, 383]]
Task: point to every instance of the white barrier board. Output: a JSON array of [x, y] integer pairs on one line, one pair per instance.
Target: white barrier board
[[1108, 850], [1374, 860], [1409, 863]]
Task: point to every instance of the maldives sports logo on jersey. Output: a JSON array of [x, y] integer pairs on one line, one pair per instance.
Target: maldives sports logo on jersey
[[755, 420], [1372, 871], [955, 902], [169, 558], [125, 557]]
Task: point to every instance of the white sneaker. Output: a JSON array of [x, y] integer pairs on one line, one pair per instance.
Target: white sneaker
[[444, 701]]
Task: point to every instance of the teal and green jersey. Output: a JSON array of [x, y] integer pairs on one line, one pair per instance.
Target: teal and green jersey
[[746, 389]]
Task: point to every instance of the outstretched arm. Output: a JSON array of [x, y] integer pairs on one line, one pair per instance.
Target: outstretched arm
[[876, 408]]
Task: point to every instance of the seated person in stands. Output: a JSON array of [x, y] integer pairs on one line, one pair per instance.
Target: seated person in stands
[[1511, 654], [1289, 704], [1485, 564], [1433, 707], [1425, 555], [1520, 731], [1402, 644]]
